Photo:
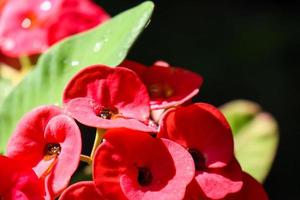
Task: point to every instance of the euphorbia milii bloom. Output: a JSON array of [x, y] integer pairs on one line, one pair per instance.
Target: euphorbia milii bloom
[[251, 190], [133, 165], [30, 26], [104, 97], [168, 86], [18, 181], [204, 132], [49, 142], [82, 191]]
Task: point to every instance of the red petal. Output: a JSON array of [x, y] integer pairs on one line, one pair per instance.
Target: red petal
[[18, 181], [138, 68], [251, 190], [111, 87], [27, 142], [217, 183], [63, 130], [194, 192], [124, 151], [82, 191], [202, 127], [84, 110], [173, 85]]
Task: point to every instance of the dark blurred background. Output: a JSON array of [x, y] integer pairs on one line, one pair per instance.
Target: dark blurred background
[[244, 49]]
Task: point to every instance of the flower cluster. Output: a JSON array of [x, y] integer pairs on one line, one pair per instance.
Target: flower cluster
[[29, 27], [185, 153]]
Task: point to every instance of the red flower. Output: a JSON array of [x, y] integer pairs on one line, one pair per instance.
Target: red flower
[[44, 140], [205, 133], [18, 181], [167, 86], [27, 26], [105, 97], [133, 165], [251, 190], [82, 191]]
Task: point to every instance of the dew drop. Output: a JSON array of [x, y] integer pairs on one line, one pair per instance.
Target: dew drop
[[122, 53], [98, 46], [75, 63]]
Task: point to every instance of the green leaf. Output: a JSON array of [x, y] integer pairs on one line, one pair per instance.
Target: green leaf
[[239, 112], [256, 136], [107, 44]]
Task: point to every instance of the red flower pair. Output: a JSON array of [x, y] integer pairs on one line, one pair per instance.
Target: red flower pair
[[104, 97], [30, 26]]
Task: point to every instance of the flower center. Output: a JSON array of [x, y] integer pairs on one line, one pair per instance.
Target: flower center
[[144, 176], [52, 149], [29, 21], [160, 91], [199, 159], [107, 113]]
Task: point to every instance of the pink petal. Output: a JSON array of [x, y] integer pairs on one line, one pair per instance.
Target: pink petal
[[63, 130], [217, 183], [85, 111]]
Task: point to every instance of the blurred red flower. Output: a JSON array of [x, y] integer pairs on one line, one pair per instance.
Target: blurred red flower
[[29, 27], [130, 164], [45, 139], [205, 133], [167, 86], [18, 181], [104, 97]]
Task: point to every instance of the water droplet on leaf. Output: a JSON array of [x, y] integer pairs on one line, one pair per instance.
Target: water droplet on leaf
[[75, 63]]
